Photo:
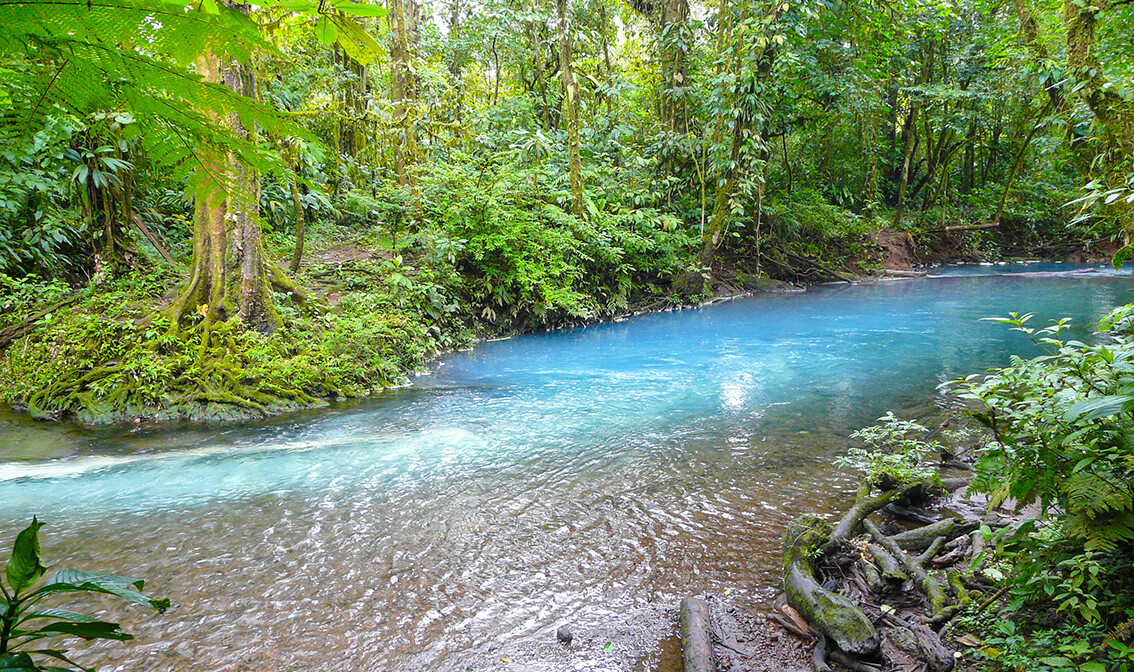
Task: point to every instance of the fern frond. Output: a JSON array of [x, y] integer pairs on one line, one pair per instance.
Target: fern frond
[[70, 57], [1093, 492]]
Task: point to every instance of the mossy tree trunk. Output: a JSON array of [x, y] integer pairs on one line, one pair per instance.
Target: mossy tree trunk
[[571, 110], [742, 126], [352, 131], [904, 185], [230, 278], [403, 38], [674, 41], [1114, 113]]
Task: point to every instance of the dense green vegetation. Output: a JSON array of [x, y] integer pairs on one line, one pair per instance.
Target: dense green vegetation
[[1060, 439], [244, 208], [214, 210], [1050, 588]]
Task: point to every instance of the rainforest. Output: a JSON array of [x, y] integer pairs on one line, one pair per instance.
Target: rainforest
[[586, 334]]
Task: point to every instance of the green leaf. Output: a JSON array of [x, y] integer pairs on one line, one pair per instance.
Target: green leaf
[[359, 8], [1121, 255], [59, 614], [79, 581], [1099, 407], [16, 661], [1092, 666], [25, 567], [325, 31], [58, 655], [95, 630]]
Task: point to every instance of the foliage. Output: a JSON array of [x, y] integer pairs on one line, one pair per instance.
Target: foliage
[[110, 357], [1009, 645], [1060, 427], [25, 622], [895, 452]]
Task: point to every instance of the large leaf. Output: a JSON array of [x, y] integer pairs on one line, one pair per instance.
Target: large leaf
[[93, 630], [26, 566], [79, 581], [359, 8], [59, 614], [1099, 407], [58, 655], [10, 662]]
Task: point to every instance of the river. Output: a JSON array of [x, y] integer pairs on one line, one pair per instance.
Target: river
[[587, 478]]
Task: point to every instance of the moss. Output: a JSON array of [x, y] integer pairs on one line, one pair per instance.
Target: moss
[[833, 615], [113, 357]]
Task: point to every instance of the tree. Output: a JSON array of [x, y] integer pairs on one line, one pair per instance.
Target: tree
[[403, 93], [1113, 107], [571, 108]]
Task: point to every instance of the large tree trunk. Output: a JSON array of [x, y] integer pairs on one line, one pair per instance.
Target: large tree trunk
[[674, 43], [1114, 113], [352, 135], [456, 57], [403, 29], [911, 136], [571, 105], [713, 234], [230, 279]]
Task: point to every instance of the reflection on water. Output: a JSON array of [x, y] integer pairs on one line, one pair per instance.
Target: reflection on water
[[533, 482]]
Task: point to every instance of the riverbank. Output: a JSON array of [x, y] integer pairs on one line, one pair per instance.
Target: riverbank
[[108, 353], [375, 312]]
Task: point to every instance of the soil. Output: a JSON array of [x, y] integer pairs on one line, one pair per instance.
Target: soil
[[646, 640], [898, 250]]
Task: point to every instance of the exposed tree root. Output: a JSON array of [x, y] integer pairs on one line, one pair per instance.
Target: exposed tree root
[[835, 580]]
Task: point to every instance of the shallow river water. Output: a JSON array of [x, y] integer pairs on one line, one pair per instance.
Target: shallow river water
[[572, 478]]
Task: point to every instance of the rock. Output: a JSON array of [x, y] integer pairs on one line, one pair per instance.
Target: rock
[[564, 635]]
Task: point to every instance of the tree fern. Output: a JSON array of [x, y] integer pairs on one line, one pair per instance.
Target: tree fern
[[69, 57]]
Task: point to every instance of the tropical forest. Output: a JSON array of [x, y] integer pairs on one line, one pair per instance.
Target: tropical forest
[[567, 335]]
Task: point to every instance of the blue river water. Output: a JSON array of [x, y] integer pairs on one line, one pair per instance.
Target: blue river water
[[527, 483]]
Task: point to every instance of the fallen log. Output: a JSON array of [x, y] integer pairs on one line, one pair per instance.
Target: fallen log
[[956, 229], [833, 615], [821, 267], [696, 640], [153, 239]]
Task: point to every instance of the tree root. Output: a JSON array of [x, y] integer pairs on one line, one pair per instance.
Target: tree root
[[938, 599], [829, 613], [919, 539]]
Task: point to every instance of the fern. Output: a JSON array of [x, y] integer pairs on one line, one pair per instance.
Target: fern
[[71, 57]]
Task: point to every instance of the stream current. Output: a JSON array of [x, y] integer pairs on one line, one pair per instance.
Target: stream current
[[570, 478]]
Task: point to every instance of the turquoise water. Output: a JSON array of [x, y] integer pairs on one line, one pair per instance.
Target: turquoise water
[[544, 480]]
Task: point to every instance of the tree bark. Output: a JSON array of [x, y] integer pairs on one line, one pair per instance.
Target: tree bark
[[1114, 113], [403, 86], [673, 45], [300, 224], [903, 188], [696, 636], [829, 613], [230, 279], [571, 105]]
